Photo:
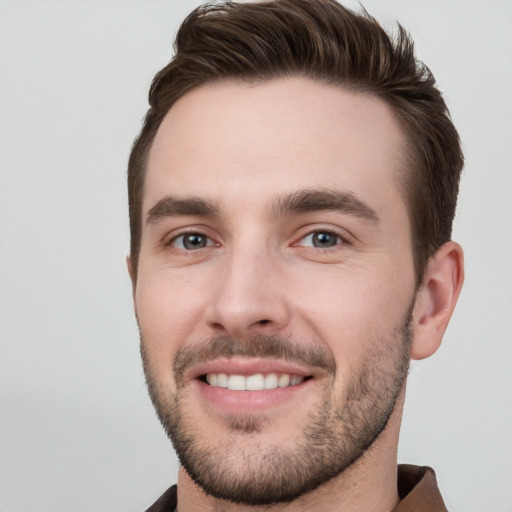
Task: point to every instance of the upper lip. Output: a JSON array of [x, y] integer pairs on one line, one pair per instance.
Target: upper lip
[[247, 366]]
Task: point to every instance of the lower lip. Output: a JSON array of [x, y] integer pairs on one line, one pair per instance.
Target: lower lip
[[235, 402]]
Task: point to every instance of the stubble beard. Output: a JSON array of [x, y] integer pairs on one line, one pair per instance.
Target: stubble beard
[[338, 431]]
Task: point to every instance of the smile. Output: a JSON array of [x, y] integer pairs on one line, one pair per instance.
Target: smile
[[241, 385], [256, 382]]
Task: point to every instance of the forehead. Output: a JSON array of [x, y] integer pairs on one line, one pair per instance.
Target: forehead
[[222, 140]]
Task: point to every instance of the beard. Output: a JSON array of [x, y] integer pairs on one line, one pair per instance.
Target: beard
[[242, 467]]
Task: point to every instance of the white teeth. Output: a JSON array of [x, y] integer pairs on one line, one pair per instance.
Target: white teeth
[[270, 381], [222, 380], [295, 379], [256, 382], [236, 382], [283, 381]]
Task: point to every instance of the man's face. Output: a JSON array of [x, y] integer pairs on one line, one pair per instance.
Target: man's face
[[275, 256]]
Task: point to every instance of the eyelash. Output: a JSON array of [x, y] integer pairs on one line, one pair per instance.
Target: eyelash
[[340, 240], [315, 238], [209, 241]]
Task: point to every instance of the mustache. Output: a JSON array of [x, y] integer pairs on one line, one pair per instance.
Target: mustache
[[260, 346]]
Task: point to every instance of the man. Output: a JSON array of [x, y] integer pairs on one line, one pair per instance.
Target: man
[[291, 198]]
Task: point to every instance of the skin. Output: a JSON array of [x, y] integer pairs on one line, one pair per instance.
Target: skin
[[242, 148]]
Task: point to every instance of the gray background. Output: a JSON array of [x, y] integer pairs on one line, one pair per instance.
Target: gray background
[[77, 430]]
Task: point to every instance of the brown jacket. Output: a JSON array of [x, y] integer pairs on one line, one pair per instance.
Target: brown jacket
[[417, 489]]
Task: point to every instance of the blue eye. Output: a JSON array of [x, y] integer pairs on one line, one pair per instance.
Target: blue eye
[[192, 242], [321, 240]]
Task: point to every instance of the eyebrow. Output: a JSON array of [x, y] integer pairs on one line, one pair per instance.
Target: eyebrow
[[170, 206], [304, 201]]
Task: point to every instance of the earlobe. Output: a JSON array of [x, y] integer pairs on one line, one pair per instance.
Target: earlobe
[[131, 272], [436, 299]]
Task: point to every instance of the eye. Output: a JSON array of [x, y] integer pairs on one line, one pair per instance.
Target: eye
[[192, 242], [321, 240]]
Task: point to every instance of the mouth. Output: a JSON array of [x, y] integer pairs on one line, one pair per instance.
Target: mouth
[[245, 386], [254, 382]]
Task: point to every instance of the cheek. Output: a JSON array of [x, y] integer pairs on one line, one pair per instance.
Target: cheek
[[167, 312], [351, 311]]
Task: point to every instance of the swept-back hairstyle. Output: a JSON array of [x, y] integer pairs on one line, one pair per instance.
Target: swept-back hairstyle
[[321, 40]]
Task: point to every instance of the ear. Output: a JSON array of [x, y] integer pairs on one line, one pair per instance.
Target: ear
[[436, 299], [132, 273]]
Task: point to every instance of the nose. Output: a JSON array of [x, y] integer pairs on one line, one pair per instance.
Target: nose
[[249, 296]]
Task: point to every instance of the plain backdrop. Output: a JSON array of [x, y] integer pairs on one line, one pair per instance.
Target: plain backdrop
[[77, 431]]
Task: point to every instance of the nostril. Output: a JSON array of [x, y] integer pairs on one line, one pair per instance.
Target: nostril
[[219, 327], [263, 322]]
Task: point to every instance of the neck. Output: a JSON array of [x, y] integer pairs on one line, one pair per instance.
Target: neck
[[368, 485]]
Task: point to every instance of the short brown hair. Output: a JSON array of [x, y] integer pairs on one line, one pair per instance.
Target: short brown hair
[[321, 40]]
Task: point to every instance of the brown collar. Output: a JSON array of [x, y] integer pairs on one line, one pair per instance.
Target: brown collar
[[418, 491]]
